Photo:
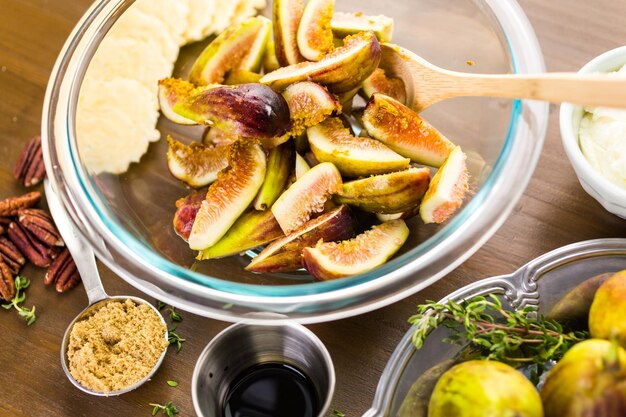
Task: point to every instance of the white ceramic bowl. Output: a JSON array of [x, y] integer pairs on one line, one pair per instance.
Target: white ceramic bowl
[[610, 195]]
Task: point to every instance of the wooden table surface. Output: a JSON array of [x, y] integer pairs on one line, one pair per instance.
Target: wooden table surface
[[554, 211]]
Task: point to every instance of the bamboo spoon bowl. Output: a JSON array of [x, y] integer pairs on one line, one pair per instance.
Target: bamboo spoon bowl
[[427, 84]]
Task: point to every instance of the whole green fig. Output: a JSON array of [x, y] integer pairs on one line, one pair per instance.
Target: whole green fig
[[607, 316], [590, 381], [484, 389]]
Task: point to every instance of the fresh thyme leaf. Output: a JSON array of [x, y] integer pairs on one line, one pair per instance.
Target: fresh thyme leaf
[[168, 409], [174, 315], [172, 383], [338, 414], [514, 337], [21, 283], [160, 305]]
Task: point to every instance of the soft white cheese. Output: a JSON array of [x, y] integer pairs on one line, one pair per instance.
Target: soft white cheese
[[602, 138]]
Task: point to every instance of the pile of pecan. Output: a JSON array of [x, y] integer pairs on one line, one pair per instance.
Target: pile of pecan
[[29, 234]]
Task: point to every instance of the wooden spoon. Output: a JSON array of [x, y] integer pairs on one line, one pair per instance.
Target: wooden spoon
[[427, 84]]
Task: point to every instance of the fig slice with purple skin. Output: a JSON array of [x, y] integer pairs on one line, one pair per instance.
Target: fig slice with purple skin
[[286, 16], [355, 157], [309, 104], [447, 190], [186, 211], [196, 165], [171, 92], [378, 82], [254, 228], [230, 195], [369, 250], [404, 131], [241, 46], [387, 194], [247, 110], [280, 164], [342, 70], [307, 196], [345, 24], [315, 36], [285, 254]]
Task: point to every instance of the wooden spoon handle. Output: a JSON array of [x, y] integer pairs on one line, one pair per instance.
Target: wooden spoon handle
[[592, 90]]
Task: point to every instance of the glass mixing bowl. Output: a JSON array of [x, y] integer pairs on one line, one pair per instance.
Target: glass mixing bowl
[[127, 218]]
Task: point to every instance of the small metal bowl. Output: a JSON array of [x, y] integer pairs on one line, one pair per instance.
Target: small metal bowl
[[541, 283]]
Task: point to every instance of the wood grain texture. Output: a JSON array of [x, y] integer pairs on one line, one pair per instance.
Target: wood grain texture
[[554, 211]]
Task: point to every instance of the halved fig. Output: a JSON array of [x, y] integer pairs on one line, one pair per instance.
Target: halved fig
[[331, 142], [306, 196], [301, 166], [270, 61], [196, 165], [378, 82], [342, 70], [309, 104], [186, 211], [405, 131], [279, 166], [390, 193], [230, 195], [365, 252], [171, 92], [344, 24], [254, 228], [215, 137], [315, 37], [241, 76], [247, 110], [240, 46], [447, 189], [286, 17], [285, 254]]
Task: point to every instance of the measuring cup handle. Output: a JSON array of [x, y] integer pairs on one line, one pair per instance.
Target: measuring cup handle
[[79, 248]]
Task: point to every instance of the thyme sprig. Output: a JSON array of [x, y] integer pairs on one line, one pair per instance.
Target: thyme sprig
[[21, 283], [168, 409], [515, 337], [174, 338]]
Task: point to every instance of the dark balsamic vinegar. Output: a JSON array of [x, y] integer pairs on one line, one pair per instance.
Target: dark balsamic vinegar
[[271, 390]]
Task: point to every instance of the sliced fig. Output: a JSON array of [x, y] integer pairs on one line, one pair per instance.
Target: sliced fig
[[241, 46], [254, 228], [215, 137], [404, 131], [279, 167], [342, 70], [331, 142], [241, 76], [390, 193], [365, 252], [345, 24], [247, 110], [447, 190], [230, 195], [171, 92], [286, 16], [301, 166], [285, 254], [309, 104], [306, 196], [186, 211], [315, 36], [196, 165], [270, 61], [378, 82]]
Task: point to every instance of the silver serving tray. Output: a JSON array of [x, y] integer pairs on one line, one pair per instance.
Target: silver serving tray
[[540, 283]]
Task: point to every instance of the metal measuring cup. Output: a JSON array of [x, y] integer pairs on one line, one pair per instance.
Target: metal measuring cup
[[85, 260]]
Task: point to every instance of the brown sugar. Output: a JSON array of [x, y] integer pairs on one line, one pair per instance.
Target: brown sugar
[[117, 346]]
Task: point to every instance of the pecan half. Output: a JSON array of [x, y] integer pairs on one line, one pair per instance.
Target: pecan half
[[41, 225], [30, 168], [62, 272], [11, 255], [32, 249], [7, 282], [10, 206]]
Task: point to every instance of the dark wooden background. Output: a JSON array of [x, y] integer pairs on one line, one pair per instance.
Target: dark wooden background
[[554, 211]]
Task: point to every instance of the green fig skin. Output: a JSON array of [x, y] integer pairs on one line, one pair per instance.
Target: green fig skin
[[607, 316], [590, 381], [484, 389]]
